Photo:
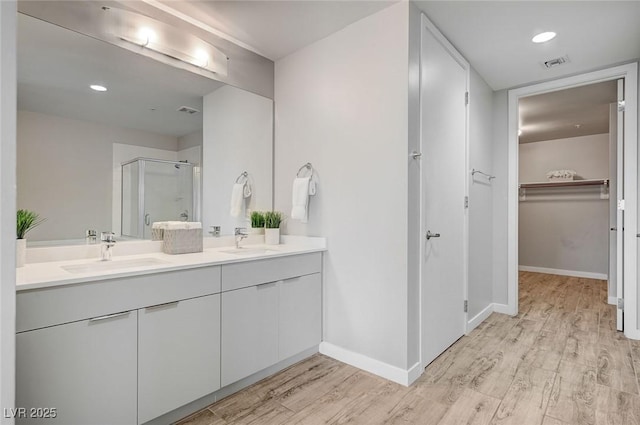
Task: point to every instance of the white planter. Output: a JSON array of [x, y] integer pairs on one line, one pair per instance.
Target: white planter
[[257, 230], [21, 252], [272, 236]]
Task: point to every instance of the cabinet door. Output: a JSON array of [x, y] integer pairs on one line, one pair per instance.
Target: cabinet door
[[249, 331], [178, 354], [300, 319], [85, 370]]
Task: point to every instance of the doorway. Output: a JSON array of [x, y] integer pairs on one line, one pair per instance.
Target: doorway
[[568, 190], [628, 73]]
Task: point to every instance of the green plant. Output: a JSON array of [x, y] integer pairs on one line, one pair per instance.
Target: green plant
[[26, 220], [257, 219], [272, 219]]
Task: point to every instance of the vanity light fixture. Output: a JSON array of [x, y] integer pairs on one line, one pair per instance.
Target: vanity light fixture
[[160, 37], [146, 35], [543, 37], [97, 87]]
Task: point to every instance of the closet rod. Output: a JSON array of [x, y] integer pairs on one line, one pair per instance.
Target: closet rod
[[596, 182]]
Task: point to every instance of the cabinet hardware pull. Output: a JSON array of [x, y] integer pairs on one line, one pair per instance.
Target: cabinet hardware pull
[[109, 316], [266, 283], [154, 307]]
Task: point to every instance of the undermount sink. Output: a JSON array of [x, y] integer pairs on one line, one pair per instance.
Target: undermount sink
[[249, 251], [99, 266]]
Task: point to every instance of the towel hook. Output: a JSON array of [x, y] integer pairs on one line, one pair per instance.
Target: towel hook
[[307, 166], [244, 175], [488, 176]]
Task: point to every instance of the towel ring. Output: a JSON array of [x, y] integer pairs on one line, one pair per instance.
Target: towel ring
[[307, 166], [244, 176]]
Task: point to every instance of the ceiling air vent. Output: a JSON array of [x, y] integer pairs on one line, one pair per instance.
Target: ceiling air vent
[[552, 63], [188, 110]]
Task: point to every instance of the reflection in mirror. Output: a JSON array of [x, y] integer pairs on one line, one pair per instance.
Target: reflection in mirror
[[72, 140], [155, 190]]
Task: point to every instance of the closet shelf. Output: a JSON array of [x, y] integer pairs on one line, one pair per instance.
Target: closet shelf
[[540, 185]]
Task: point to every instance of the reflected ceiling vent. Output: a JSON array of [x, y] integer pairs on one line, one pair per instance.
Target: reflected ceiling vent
[[188, 110], [552, 63]]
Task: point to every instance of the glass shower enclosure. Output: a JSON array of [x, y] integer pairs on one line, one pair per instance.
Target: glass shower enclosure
[[157, 190]]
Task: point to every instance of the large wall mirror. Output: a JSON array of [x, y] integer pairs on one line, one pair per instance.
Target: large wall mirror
[[198, 133]]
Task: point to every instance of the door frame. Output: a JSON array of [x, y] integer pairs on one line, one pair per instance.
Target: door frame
[[630, 73], [427, 25]]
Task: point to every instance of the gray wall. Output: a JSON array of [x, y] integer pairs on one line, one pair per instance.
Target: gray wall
[[565, 229], [190, 140], [64, 171], [238, 136], [500, 192], [342, 105], [480, 293]]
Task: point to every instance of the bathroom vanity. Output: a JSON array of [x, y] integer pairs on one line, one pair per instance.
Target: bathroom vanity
[[157, 340]]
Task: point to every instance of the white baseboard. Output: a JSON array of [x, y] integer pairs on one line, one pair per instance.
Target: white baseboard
[[503, 309], [384, 370], [612, 300], [632, 334], [479, 318], [561, 272]]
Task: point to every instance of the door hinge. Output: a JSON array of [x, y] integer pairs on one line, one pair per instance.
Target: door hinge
[[466, 98], [621, 106], [466, 202], [621, 204], [466, 306], [620, 303]]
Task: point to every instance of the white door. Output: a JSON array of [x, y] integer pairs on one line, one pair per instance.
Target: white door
[[443, 142]]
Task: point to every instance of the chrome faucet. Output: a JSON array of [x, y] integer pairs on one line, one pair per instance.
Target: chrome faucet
[[91, 236], [240, 233], [108, 240]]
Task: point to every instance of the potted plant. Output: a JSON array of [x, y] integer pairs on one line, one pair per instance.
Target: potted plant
[[25, 221], [272, 220], [257, 222]]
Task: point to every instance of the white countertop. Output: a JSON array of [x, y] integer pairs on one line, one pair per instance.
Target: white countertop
[[51, 274]]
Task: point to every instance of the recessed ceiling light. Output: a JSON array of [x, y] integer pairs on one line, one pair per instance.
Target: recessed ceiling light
[[98, 87], [543, 37]]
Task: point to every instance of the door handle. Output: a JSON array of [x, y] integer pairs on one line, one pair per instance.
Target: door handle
[[614, 228], [432, 235], [147, 219]]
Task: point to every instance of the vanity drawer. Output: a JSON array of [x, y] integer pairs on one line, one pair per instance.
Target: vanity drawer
[[242, 275], [44, 307]]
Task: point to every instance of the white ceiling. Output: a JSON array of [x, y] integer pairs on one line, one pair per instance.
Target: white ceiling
[[56, 66], [276, 29], [574, 112], [494, 36]]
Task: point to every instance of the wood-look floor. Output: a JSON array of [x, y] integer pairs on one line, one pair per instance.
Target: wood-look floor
[[559, 362]]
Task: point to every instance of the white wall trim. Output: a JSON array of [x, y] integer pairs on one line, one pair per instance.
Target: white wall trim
[[630, 73], [479, 318], [384, 370], [561, 272], [612, 301], [503, 309], [8, 114]]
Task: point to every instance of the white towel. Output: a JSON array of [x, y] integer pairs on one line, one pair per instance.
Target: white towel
[[177, 225], [237, 196], [300, 199]]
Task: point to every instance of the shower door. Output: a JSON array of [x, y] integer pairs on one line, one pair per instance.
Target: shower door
[[156, 190]]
